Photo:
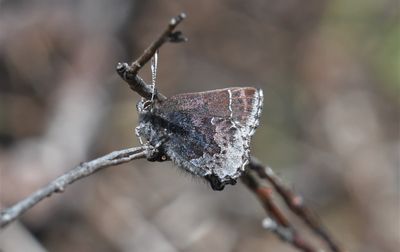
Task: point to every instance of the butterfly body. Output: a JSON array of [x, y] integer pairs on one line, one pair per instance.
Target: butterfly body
[[207, 133]]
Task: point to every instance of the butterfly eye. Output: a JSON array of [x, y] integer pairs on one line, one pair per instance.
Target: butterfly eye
[[144, 105], [147, 104]]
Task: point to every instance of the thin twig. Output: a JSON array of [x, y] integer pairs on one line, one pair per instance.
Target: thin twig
[[153, 47], [295, 203], [129, 72], [277, 221], [59, 184]]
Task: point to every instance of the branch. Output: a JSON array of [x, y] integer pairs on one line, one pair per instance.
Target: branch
[[277, 222], [295, 203], [129, 72], [59, 184]]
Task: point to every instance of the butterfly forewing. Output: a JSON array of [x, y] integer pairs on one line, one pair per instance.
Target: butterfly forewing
[[243, 105]]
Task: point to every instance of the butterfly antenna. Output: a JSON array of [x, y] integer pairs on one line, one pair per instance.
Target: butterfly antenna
[[154, 65]]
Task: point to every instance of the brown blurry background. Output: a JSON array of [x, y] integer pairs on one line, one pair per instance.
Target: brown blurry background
[[330, 124]]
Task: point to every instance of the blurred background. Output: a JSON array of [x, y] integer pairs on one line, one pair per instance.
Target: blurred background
[[330, 124]]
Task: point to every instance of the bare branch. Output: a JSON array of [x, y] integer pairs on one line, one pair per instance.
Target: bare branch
[[295, 203], [129, 72], [59, 184], [277, 221], [167, 35]]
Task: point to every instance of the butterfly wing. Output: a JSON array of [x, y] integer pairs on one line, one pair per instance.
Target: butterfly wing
[[242, 105], [209, 132]]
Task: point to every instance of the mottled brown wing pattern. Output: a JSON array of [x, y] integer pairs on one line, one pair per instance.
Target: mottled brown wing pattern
[[241, 104], [209, 132]]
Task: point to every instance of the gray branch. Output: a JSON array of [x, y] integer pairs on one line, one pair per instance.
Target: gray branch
[[10, 214], [129, 72]]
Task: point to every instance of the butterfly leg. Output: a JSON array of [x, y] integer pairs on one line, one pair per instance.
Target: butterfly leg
[[157, 153], [137, 133], [216, 184]]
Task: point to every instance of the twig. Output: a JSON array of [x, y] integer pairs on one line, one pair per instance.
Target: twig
[[295, 203], [129, 72], [59, 184], [277, 222], [167, 35]]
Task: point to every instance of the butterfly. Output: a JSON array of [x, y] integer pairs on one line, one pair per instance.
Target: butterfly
[[206, 133]]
